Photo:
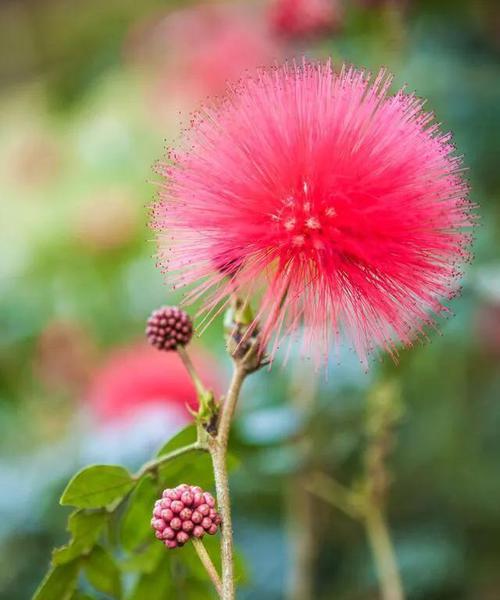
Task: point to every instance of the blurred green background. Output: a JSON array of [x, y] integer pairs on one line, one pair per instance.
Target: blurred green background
[[90, 93]]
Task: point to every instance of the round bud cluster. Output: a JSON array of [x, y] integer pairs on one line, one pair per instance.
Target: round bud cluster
[[169, 327], [182, 513]]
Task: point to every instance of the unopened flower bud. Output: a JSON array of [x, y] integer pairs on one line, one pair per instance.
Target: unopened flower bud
[[187, 526], [198, 531], [182, 513], [182, 537], [167, 328]]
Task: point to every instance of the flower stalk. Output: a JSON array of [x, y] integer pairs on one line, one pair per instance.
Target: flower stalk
[[214, 424], [208, 564]]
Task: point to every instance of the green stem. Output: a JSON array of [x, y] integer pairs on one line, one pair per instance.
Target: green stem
[[384, 556], [301, 529], [188, 363], [208, 564], [153, 465]]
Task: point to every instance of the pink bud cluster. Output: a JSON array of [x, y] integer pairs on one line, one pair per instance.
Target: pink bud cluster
[[182, 513], [169, 327]]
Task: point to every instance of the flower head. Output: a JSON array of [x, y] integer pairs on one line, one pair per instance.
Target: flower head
[[169, 327], [182, 513], [342, 206]]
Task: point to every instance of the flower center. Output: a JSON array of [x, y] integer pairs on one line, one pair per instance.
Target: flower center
[[303, 224]]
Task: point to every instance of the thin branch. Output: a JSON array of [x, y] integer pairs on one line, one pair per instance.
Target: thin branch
[[188, 363], [301, 521], [153, 465], [229, 405], [218, 451], [384, 555], [208, 564], [333, 492]]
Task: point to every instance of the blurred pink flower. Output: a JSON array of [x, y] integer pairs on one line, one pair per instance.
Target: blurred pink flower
[[343, 207], [138, 377], [195, 51], [305, 18]]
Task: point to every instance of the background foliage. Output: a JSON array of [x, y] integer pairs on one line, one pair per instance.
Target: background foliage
[[84, 110]]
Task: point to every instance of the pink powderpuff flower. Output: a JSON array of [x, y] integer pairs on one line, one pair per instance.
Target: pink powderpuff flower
[[341, 206], [136, 378], [305, 18]]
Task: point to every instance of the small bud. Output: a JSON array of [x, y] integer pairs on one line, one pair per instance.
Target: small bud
[[176, 506], [171, 544], [182, 537], [169, 327], [209, 499], [196, 517], [176, 523], [206, 523], [204, 509], [167, 514], [212, 530], [187, 526], [168, 533], [173, 494], [198, 499], [187, 498], [159, 524], [186, 514], [198, 531]]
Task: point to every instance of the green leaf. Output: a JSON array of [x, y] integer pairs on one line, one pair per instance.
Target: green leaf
[[136, 523], [103, 573], [97, 486], [85, 528], [85, 525], [185, 437], [194, 469], [145, 560], [65, 554], [60, 582], [157, 585]]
